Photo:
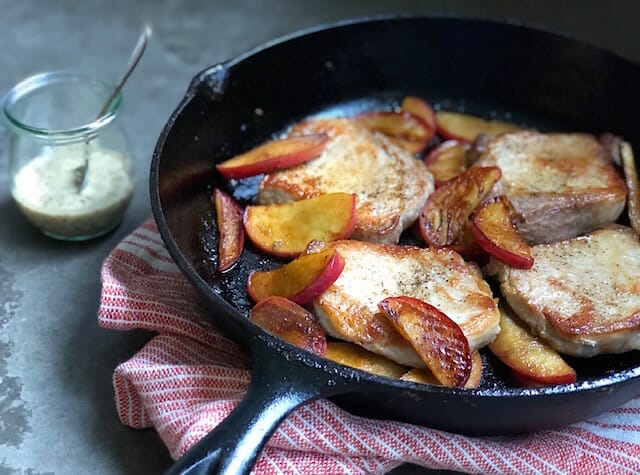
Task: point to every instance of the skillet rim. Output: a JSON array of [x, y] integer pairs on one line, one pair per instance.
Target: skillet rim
[[603, 383], [512, 22]]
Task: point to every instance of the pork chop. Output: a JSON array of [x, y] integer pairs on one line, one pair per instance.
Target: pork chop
[[349, 308], [560, 185], [391, 186], [581, 295]]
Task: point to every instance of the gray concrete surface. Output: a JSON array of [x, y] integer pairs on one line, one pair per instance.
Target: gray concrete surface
[[56, 399]]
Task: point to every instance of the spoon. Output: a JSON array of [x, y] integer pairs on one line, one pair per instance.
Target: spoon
[[80, 173]]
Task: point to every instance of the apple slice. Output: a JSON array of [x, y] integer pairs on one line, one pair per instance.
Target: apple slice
[[475, 378], [436, 338], [289, 321], [229, 220], [467, 246], [447, 209], [447, 160], [612, 145], [300, 281], [525, 382], [424, 376], [477, 148], [494, 231], [274, 155], [407, 130], [411, 147], [357, 357], [631, 177], [453, 125], [528, 356], [420, 376], [286, 229], [420, 108]]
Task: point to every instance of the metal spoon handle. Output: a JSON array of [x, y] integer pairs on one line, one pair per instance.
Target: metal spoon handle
[[80, 172], [136, 54]]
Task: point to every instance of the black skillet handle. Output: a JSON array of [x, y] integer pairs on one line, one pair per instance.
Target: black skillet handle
[[278, 386], [212, 79]]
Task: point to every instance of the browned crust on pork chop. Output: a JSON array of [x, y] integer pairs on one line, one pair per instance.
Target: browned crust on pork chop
[[560, 185], [582, 295], [348, 309], [391, 185]]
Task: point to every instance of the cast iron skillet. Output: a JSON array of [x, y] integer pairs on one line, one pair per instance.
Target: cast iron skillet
[[532, 77]]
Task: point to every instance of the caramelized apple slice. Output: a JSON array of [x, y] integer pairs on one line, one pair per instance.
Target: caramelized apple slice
[[612, 144], [453, 125], [420, 108], [357, 357], [527, 355], [229, 220], [289, 321], [494, 231], [476, 371], [467, 246], [447, 160], [424, 376], [631, 177], [477, 148], [286, 229], [407, 130], [436, 338], [525, 382], [274, 155], [420, 376], [409, 146], [300, 281], [448, 208]]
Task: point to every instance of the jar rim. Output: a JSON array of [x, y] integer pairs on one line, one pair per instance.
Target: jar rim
[[41, 80]]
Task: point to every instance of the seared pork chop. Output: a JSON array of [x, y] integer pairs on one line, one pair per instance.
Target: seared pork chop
[[390, 184], [581, 295], [349, 308], [560, 185]]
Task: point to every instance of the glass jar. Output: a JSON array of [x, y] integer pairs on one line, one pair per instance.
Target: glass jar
[[71, 171]]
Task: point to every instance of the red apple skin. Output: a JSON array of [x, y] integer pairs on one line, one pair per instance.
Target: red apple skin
[[323, 281], [345, 234], [230, 228], [526, 382], [531, 361], [512, 260], [546, 381], [310, 147], [329, 275], [438, 340], [420, 108], [505, 251]]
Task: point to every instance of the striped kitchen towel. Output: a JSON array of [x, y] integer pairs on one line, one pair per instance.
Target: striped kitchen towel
[[189, 377]]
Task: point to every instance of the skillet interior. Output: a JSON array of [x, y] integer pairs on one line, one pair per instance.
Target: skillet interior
[[492, 70]]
